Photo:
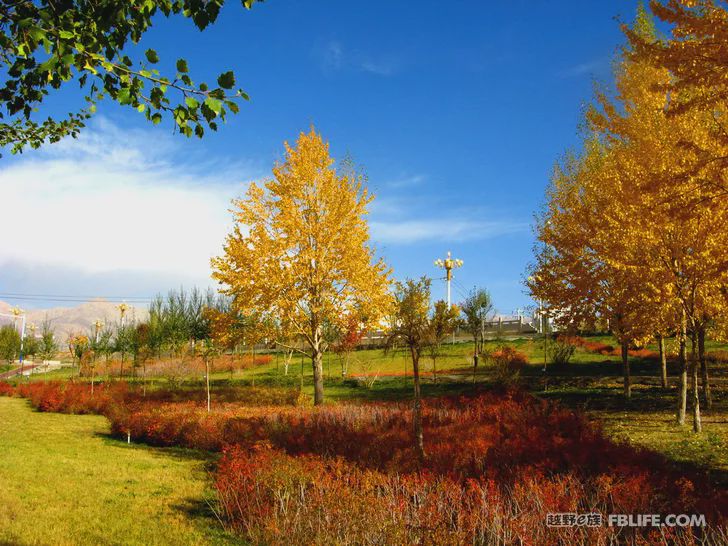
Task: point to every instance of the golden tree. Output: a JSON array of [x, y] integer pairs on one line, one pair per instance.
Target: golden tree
[[572, 275], [696, 55], [696, 59], [665, 186], [300, 253]]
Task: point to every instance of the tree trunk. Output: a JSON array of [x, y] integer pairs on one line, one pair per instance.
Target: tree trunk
[[92, 380], [302, 371], [207, 381], [625, 371], [697, 426], [318, 376], [475, 354], [434, 370], [682, 397], [121, 367], [663, 360], [707, 396], [417, 421], [287, 361]]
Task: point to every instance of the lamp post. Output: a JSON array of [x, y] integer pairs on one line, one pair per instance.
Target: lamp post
[[97, 328], [122, 307], [448, 264], [18, 312]]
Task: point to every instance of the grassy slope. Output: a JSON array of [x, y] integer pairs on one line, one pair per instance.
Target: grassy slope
[[65, 482]]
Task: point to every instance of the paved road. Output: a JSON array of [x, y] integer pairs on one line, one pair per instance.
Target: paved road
[[16, 371]]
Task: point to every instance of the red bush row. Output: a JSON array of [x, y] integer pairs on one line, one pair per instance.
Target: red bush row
[[6, 389], [604, 349], [492, 438], [273, 498]]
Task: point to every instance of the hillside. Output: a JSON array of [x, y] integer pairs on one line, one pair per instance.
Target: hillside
[[79, 318]]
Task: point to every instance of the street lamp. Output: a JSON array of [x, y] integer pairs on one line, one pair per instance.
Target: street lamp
[[448, 264], [97, 326], [122, 307], [18, 312]]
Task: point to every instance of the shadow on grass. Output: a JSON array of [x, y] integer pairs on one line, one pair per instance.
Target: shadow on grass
[[203, 510], [207, 458]]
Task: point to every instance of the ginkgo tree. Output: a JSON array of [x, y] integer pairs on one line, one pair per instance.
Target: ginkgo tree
[[632, 227], [665, 190], [299, 251], [571, 275]]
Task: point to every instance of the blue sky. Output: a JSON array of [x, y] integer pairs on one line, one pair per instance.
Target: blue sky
[[455, 110]]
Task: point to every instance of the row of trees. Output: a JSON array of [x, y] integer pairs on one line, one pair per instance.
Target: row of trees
[[634, 226], [43, 346]]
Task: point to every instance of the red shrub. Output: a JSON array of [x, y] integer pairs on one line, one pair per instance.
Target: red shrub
[[489, 442], [719, 356], [273, 498], [6, 389], [508, 364]]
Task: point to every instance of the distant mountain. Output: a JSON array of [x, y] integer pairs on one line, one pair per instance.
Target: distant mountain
[[78, 319]]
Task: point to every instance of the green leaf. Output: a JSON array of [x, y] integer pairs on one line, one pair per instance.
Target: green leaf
[[156, 118], [182, 66], [66, 35], [214, 105], [226, 80], [141, 108], [152, 56], [37, 33], [123, 96], [191, 102]]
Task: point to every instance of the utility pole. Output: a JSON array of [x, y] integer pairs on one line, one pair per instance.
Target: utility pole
[[448, 264]]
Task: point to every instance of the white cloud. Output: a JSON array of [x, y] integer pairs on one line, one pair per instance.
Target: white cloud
[[406, 181], [380, 67], [333, 57], [595, 67], [447, 229], [116, 200]]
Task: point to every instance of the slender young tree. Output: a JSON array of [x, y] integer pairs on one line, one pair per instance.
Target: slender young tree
[[48, 346], [442, 323], [476, 308], [412, 328]]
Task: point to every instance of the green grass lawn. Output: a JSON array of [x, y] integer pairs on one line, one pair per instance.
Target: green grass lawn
[[64, 481]]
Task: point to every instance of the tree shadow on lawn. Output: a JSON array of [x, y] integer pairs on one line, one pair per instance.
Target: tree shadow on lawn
[[649, 414], [200, 510], [207, 458]]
